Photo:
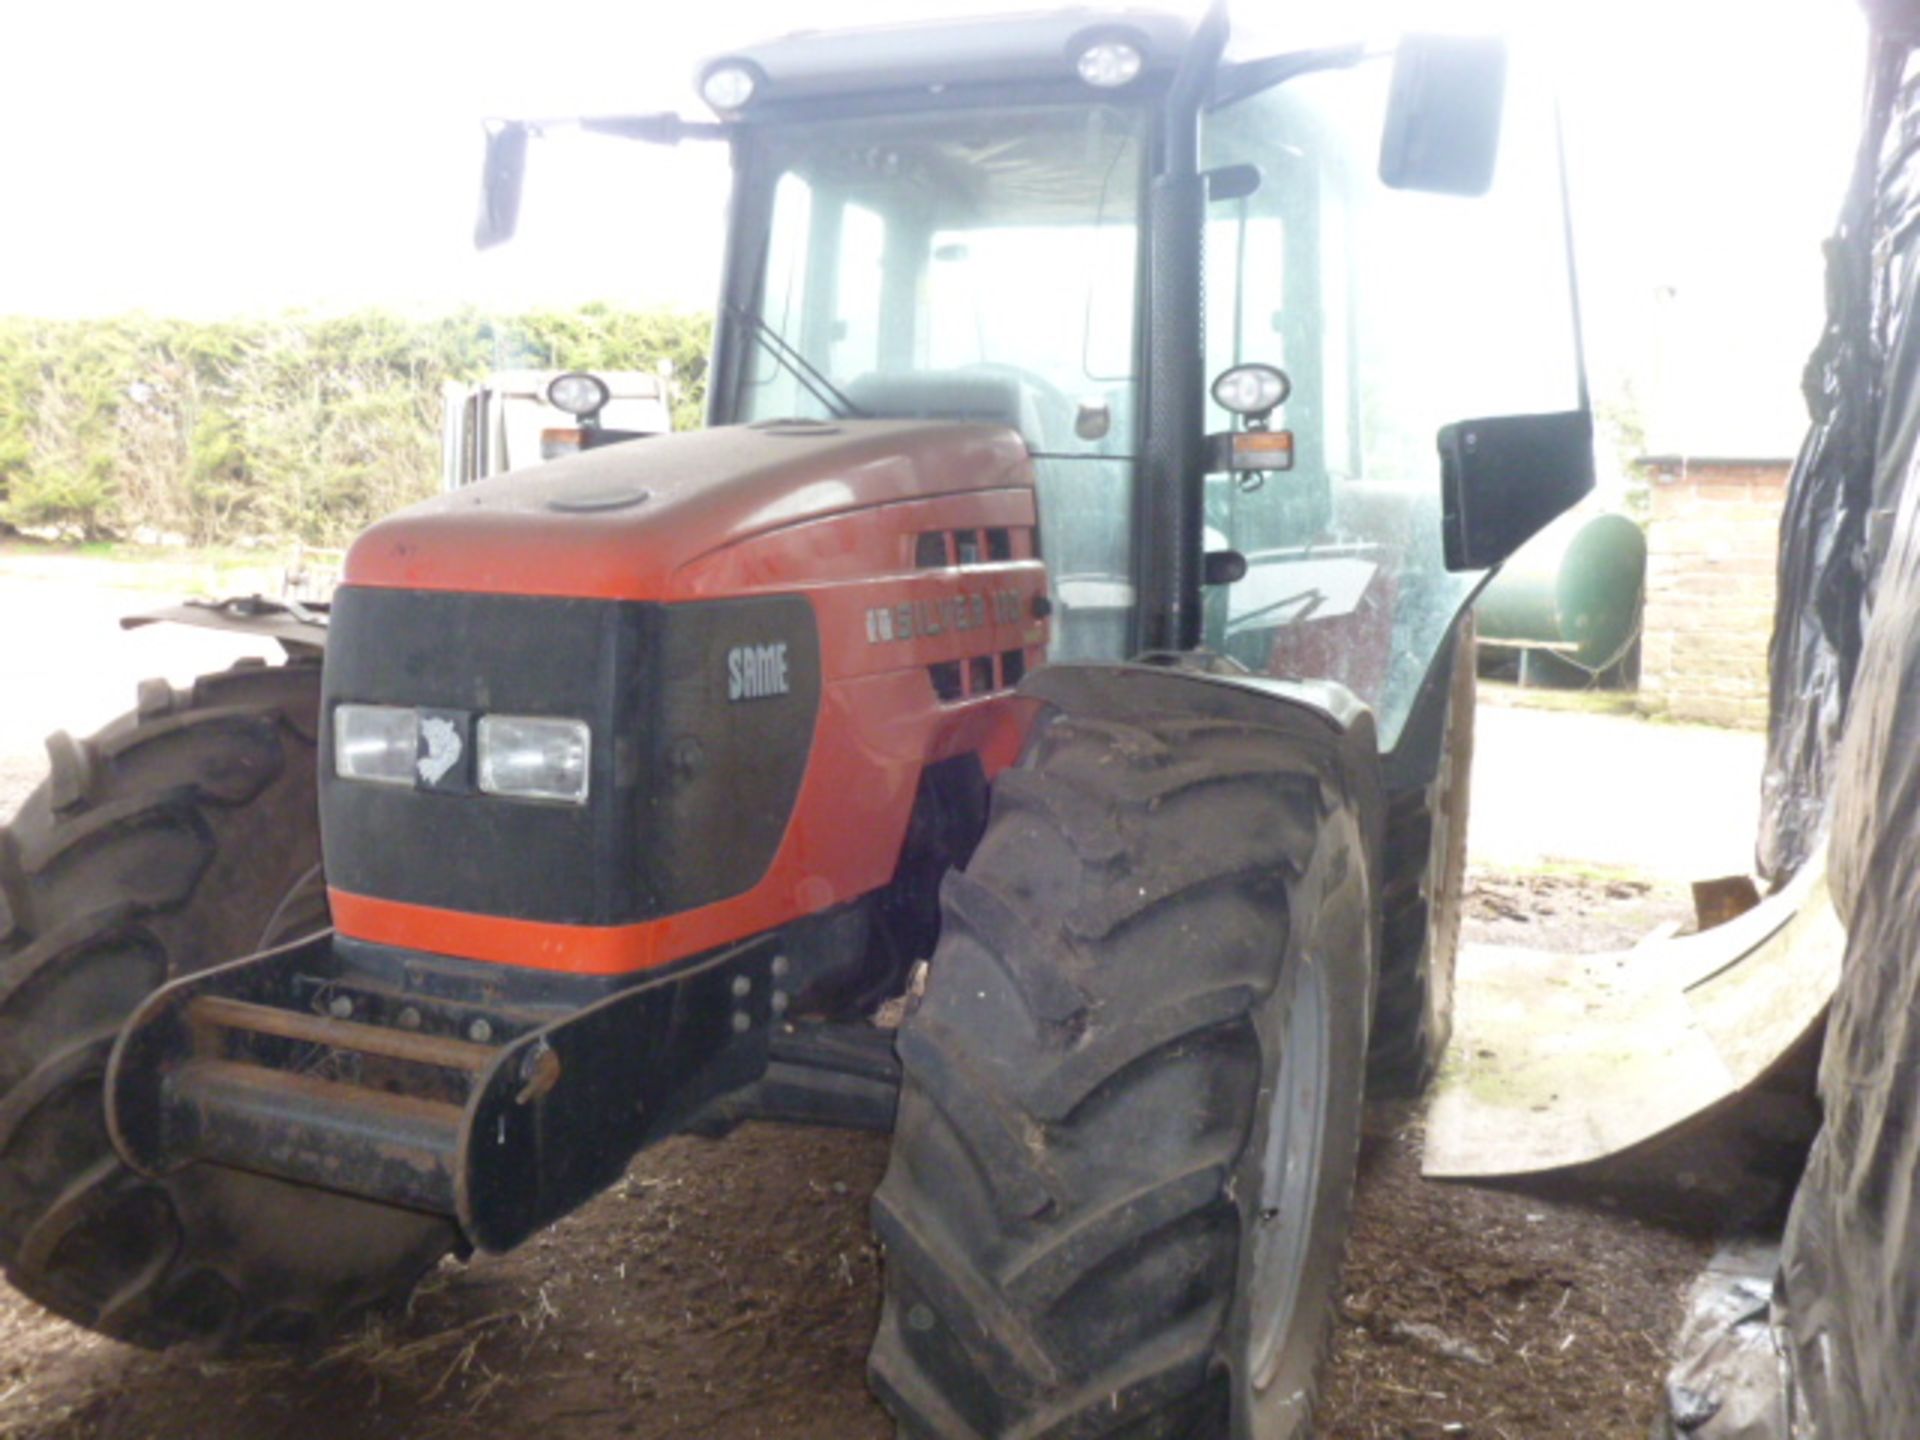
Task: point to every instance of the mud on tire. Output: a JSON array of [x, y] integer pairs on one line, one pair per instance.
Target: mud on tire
[[1423, 887], [181, 836], [1079, 1185]]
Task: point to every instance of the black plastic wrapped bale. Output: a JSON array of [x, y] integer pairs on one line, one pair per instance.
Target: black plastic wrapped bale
[[1845, 741], [1824, 560]]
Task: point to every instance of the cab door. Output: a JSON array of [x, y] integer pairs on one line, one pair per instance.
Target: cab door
[[1392, 313]]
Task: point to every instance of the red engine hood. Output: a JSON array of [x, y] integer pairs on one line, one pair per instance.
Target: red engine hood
[[620, 521]]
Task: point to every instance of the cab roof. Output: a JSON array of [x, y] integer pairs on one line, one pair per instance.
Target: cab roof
[[1024, 49]]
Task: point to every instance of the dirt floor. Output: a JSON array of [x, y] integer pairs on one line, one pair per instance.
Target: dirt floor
[[728, 1290], [1489, 1313]]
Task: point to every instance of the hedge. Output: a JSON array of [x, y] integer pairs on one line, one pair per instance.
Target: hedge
[[294, 426]]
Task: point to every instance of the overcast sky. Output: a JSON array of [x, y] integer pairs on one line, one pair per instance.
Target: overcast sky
[[214, 158]]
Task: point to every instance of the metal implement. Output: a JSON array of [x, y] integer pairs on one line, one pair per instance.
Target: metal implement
[[1562, 1060]]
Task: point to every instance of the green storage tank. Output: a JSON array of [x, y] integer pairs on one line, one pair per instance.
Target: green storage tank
[[1575, 590]]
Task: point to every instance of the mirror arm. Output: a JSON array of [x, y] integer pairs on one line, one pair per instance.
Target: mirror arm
[[665, 128], [1250, 77], [661, 128]]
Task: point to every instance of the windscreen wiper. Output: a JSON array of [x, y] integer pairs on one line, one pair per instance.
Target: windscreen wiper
[[818, 385]]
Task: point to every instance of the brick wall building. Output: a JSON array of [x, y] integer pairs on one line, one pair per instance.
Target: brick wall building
[[1712, 538]]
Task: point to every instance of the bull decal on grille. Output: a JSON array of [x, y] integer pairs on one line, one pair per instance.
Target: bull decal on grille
[[440, 738]]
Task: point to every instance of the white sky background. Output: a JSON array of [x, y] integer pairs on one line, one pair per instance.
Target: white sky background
[[209, 158]]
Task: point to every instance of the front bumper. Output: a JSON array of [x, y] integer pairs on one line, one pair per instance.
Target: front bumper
[[501, 1097]]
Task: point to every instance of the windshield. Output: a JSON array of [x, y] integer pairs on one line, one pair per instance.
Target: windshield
[[971, 265]]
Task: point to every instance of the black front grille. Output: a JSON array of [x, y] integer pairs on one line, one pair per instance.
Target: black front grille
[[691, 785]]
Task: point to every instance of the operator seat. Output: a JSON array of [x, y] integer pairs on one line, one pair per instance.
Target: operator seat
[[989, 398], [1091, 611]]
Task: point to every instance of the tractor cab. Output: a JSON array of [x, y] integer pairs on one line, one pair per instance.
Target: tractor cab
[[1086, 227]]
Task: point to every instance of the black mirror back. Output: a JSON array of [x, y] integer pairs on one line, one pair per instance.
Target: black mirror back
[[1504, 478], [1443, 114], [500, 177]]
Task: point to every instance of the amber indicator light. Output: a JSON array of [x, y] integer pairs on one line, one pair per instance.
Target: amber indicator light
[[1263, 450]]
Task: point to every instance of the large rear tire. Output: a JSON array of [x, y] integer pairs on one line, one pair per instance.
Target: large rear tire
[[1423, 889], [1124, 1157], [181, 836]]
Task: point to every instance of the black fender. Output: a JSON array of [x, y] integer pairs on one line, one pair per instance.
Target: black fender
[[1415, 757]]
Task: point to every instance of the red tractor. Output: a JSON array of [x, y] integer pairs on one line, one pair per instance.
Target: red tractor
[[997, 658]]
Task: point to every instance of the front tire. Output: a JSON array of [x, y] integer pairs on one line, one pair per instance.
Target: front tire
[[1124, 1156], [179, 837]]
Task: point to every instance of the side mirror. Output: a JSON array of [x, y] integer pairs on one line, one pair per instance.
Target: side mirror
[[1502, 479], [1443, 114], [500, 177]]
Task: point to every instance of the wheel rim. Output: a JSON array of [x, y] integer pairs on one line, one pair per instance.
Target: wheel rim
[[1289, 1169]]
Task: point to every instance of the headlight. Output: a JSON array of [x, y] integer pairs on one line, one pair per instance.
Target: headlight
[[1252, 389], [579, 394], [1109, 64], [375, 742], [525, 757], [728, 87]]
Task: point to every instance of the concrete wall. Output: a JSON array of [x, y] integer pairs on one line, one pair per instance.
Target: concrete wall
[[1711, 543]]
